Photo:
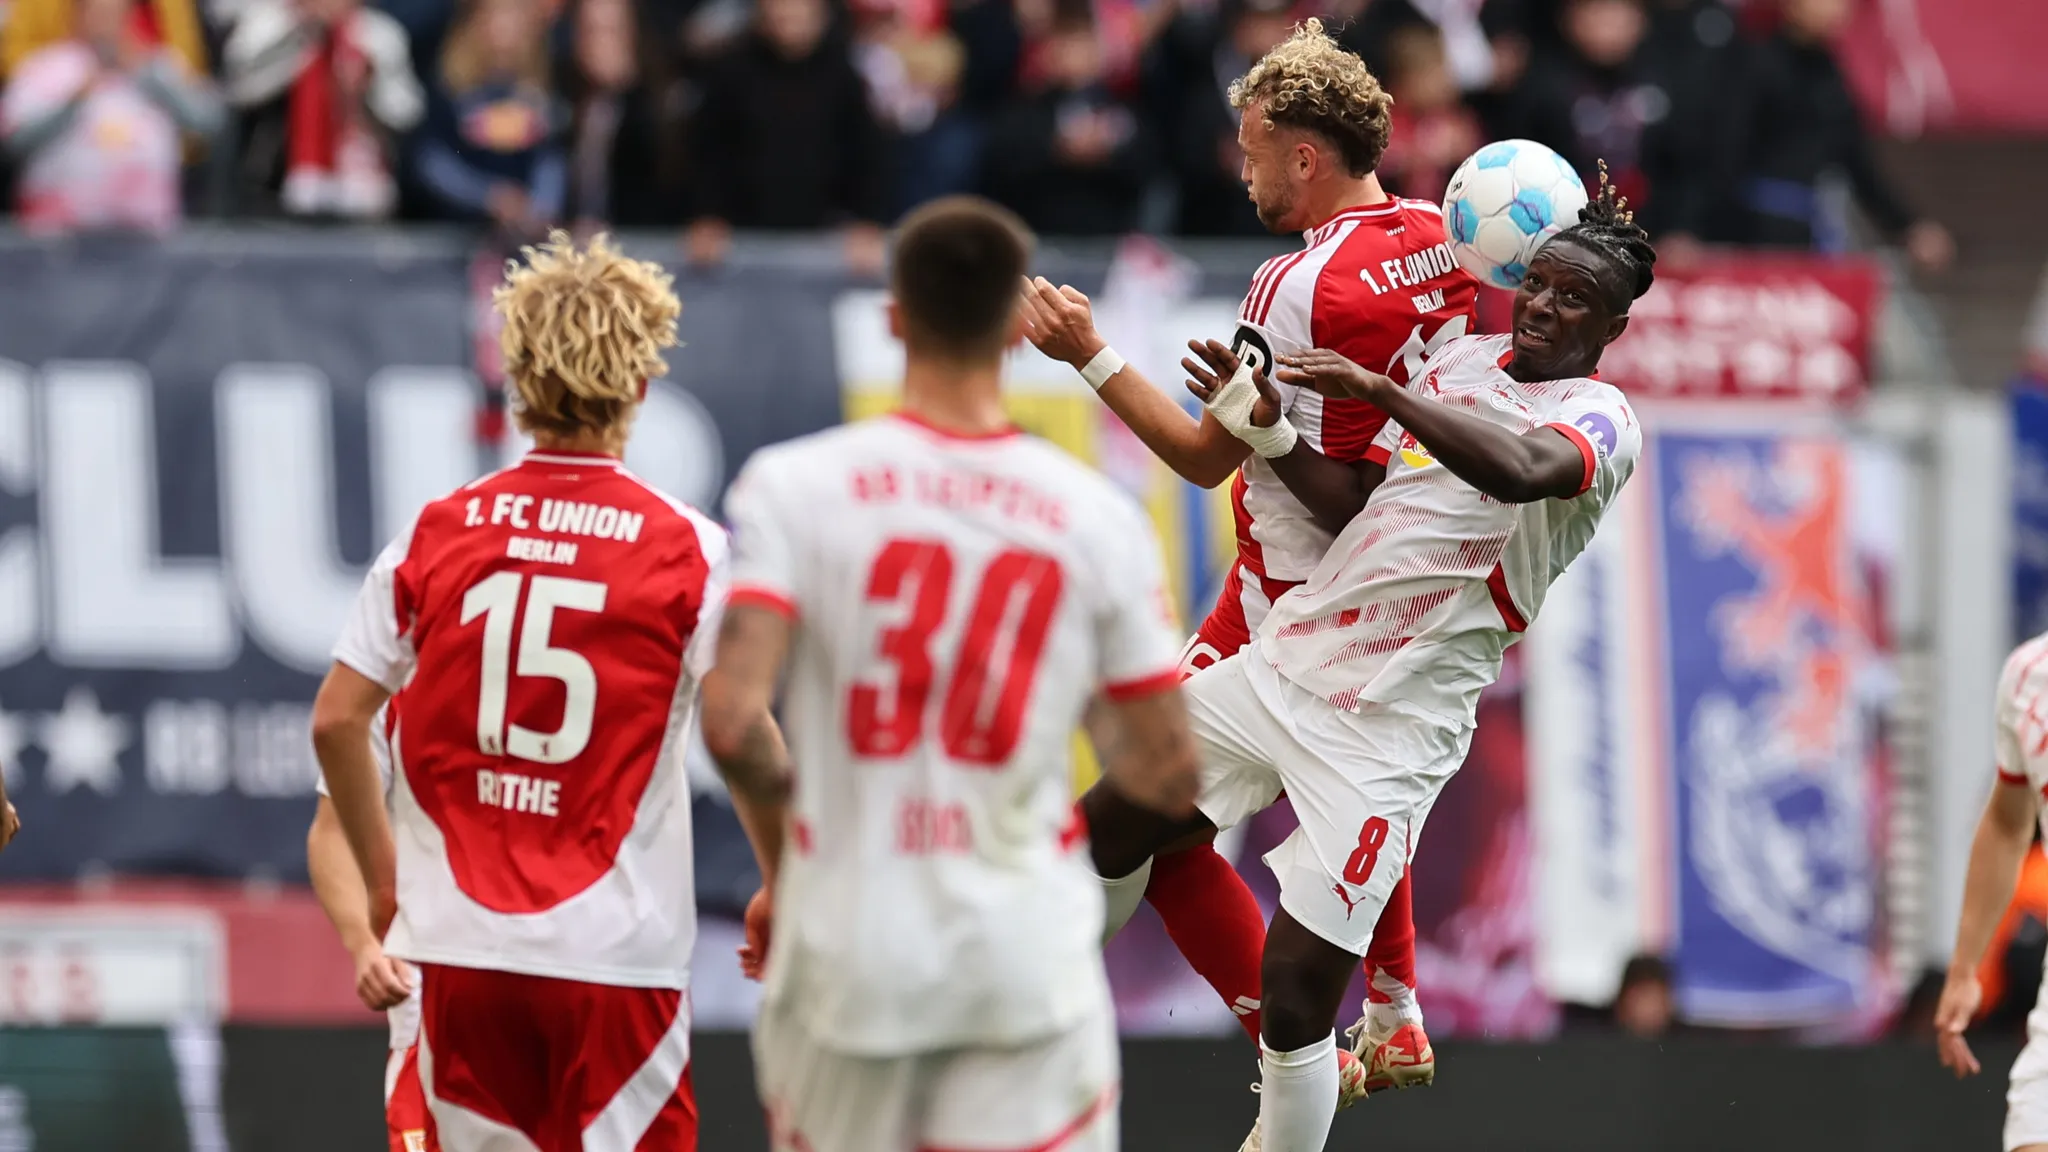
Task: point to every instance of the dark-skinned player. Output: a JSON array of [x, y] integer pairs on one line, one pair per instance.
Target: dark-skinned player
[[1357, 696]]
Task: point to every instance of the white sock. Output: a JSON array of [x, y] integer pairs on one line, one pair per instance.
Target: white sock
[[1297, 1096], [1120, 900]]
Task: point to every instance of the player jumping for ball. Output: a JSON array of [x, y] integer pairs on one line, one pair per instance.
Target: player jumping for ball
[[1376, 282], [1357, 696]]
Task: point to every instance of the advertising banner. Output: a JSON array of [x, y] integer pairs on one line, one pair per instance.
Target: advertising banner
[[1774, 327]]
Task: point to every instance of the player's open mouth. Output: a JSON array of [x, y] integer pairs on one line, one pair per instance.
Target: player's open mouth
[[1528, 335]]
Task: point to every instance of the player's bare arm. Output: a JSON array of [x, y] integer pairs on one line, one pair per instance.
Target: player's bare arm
[[342, 714], [1333, 491], [2004, 834], [741, 734], [1510, 467], [1059, 322], [381, 981], [1148, 754]]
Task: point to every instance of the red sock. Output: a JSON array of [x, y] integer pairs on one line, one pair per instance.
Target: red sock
[[1215, 922], [1393, 943]]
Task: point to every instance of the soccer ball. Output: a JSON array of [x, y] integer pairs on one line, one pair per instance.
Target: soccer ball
[[1504, 202]]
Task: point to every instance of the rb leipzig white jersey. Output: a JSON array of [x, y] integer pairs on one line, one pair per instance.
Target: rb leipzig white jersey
[[1422, 593], [548, 625], [957, 604], [2022, 750], [2022, 741], [1376, 285]]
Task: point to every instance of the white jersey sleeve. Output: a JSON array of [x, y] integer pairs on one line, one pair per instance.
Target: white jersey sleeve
[[715, 545], [1139, 646], [377, 639], [2022, 738], [765, 563], [1607, 436]]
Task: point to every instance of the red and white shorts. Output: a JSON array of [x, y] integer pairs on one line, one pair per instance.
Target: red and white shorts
[[515, 1063], [1053, 1095], [407, 1124], [1240, 608]]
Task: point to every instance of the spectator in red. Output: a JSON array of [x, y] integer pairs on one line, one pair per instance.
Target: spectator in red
[[789, 138], [626, 124], [1800, 126], [327, 87], [490, 148], [1433, 129], [96, 125], [1188, 80], [1069, 156]]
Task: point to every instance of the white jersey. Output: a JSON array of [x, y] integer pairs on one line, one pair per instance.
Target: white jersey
[[957, 604], [2022, 741], [404, 1020], [558, 615], [1429, 585], [2021, 746], [1376, 285]]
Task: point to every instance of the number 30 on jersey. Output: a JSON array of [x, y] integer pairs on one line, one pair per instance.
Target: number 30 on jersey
[[982, 717]]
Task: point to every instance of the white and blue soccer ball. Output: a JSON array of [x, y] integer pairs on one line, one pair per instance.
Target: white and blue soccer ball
[[1502, 204]]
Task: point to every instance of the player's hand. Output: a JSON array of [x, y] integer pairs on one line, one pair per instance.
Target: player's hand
[[754, 952], [1059, 322], [10, 823], [1334, 376], [1960, 998], [1217, 364], [381, 981]]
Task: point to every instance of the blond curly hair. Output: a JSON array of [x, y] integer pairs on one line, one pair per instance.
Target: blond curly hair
[[1309, 82], [583, 331]]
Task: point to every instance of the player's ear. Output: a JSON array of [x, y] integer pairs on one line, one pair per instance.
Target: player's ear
[[895, 319], [1616, 325]]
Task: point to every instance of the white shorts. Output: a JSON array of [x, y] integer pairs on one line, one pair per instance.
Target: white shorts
[[1362, 784], [2026, 1099], [1056, 1095]]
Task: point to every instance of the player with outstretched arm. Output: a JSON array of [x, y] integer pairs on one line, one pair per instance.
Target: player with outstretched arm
[[1375, 281], [947, 595], [547, 626], [2005, 833], [1357, 696]]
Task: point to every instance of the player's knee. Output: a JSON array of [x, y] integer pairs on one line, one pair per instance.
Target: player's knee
[[1298, 996], [1113, 836]]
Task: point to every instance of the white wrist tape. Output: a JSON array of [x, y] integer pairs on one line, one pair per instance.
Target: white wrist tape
[[1105, 364], [1232, 407]]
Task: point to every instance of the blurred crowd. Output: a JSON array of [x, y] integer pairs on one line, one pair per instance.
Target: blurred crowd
[[1724, 123]]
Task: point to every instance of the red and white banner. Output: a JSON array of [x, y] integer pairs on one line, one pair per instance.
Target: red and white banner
[[1790, 327]]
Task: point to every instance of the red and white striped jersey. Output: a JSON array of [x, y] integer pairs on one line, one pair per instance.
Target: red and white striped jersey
[[957, 603], [2022, 740], [1377, 285], [1423, 592], [548, 625]]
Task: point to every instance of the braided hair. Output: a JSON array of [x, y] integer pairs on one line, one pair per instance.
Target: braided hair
[[1607, 228]]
